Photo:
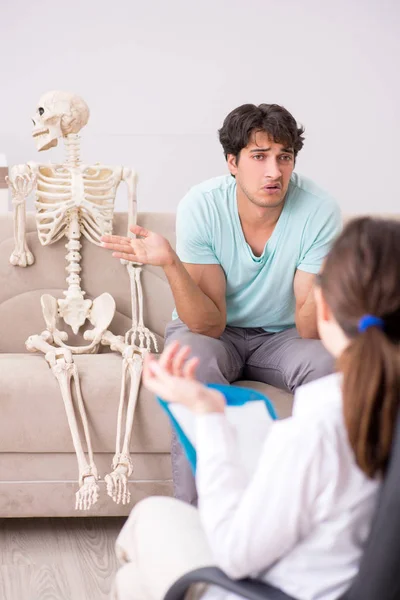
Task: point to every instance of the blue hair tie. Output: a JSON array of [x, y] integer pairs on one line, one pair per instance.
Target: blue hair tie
[[368, 321]]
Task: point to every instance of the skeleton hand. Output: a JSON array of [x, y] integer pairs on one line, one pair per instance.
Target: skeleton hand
[[22, 258], [21, 181], [141, 337]]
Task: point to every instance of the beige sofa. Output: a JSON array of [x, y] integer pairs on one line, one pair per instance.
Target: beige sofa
[[38, 468]]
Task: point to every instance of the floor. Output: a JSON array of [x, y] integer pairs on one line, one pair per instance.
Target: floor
[[57, 559]]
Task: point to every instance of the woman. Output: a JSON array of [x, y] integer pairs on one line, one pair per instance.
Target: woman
[[301, 522]]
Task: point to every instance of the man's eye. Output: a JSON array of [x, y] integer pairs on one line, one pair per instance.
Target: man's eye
[[258, 156], [286, 157]]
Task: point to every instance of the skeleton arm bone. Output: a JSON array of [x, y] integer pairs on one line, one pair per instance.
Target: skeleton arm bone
[[130, 178], [22, 180]]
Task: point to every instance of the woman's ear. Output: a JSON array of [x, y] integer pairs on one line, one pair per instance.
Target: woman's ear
[[324, 313]]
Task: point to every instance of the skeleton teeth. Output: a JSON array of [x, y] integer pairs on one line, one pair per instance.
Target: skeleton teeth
[[39, 133]]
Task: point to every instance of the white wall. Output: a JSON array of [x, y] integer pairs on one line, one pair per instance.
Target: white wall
[[160, 76]]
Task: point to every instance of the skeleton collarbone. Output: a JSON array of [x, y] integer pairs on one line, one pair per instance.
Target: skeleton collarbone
[[83, 194]]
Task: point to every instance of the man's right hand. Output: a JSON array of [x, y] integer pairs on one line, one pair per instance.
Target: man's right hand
[[148, 248], [198, 289]]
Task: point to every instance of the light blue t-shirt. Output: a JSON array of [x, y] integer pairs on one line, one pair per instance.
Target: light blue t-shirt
[[259, 289]]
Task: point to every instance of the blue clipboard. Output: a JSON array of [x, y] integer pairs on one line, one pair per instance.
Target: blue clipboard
[[234, 396]]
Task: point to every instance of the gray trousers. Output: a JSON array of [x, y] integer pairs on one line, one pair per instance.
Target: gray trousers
[[284, 360]]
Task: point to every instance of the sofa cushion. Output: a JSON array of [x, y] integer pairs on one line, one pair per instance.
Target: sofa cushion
[[33, 414]]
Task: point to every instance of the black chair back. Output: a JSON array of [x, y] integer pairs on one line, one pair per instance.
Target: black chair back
[[379, 574]]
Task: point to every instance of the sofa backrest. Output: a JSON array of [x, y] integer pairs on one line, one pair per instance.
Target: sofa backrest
[[21, 288]]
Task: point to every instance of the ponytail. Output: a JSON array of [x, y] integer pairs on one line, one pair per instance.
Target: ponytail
[[371, 397]]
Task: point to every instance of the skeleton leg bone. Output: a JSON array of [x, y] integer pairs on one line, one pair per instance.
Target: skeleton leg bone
[[132, 364], [90, 493], [117, 481], [65, 370]]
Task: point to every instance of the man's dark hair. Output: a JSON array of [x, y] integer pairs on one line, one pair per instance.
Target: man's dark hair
[[248, 119]]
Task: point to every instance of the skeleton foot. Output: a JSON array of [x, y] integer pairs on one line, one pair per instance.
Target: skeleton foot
[[22, 259], [88, 493], [117, 481], [117, 487]]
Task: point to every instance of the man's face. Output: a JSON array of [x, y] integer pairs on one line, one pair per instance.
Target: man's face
[[263, 170]]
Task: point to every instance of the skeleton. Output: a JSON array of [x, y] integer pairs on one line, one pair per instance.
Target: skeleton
[[74, 199]]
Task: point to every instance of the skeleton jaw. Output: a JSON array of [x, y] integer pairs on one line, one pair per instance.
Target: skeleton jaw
[[45, 138]]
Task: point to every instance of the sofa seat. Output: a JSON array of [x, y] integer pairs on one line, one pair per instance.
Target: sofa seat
[[37, 458], [34, 419]]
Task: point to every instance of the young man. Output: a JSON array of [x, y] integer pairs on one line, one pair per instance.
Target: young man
[[248, 247]]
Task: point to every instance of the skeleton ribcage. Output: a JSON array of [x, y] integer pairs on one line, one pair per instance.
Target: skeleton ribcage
[[61, 191]]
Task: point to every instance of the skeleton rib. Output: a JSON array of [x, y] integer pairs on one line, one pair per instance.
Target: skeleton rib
[[99, 209], [57, 188], [99, 184], [49, 196], [94, 241], [95, 230], [87, 177], [98, 198], [47, 179], [92, 222], [50, 239]]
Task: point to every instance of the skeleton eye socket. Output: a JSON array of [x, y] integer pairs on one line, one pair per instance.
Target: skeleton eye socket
[[40, 110]]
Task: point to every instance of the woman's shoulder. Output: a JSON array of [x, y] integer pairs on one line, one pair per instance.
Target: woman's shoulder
[[321, 397], [318, 413]]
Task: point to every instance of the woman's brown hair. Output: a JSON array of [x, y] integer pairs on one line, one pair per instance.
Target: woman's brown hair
[[361, 276]]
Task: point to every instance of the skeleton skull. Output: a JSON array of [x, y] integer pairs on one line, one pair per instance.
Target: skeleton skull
[[58, 114]]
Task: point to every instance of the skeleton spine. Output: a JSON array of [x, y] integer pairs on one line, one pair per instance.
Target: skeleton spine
[[74, 257], [73, 149]]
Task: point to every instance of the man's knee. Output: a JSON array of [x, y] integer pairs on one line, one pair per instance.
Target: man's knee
[[210, 351], [197, 341], [323, 364], [317, 362], [313, 362]]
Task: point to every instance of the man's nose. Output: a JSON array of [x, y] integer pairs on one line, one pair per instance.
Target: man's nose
[[272, 169]]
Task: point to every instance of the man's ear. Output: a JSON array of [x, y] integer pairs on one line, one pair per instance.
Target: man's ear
[[232, 163]]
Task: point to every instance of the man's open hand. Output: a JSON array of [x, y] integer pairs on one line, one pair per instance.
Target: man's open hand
[[148, 248]]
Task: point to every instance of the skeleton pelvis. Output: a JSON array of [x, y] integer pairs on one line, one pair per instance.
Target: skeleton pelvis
[[74, 310]]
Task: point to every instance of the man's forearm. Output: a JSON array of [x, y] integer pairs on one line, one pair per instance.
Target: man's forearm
[[306, 318], [194, 307]]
